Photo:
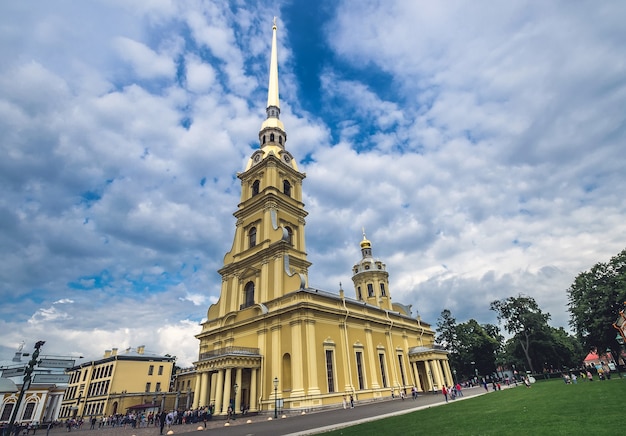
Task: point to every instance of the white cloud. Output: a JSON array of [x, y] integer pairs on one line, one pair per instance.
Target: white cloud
[[479, 145], [146, 63]]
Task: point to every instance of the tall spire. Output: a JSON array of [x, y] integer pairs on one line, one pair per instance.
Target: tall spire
[[272, 89], [272, 130]]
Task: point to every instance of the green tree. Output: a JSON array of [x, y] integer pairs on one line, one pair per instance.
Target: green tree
[[524, 319], [446, 330], [595, 298], [475, 344], [447, 336]]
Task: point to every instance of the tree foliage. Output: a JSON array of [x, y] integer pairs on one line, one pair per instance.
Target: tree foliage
[[595, 298], [523, 319], [478, 346], [470, 345]]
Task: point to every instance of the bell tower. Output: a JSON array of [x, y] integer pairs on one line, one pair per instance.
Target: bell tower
[[371, 279], [268, 255]]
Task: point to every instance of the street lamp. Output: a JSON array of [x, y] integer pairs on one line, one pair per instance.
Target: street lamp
[[275, 397], [454, 378]]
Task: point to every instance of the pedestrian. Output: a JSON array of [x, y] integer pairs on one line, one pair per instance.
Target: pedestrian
[[459, 393], [351, 402], [345, 404], [162, 418], [444, 391]]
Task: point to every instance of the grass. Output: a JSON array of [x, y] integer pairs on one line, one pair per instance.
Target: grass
[[548, 408]]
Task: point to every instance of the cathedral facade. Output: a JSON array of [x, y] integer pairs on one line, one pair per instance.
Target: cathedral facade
[[271, 340]]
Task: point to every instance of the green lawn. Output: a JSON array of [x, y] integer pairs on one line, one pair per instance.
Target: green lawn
[[548, 408]]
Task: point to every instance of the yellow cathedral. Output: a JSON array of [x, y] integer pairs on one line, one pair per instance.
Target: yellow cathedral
[[271, 339]]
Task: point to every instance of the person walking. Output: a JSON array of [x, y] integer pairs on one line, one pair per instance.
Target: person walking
[[444, 391], [161, 418]]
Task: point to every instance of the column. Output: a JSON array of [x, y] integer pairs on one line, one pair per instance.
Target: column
[[297, 362], [345, 362], [204, 385], [372, 355], [213, 385], [437, 372], [276, 352], [430, 375], [227, 386], [312, 388], [239, 389], [446, 371], [253, 398], [196, 396], [219, 392]]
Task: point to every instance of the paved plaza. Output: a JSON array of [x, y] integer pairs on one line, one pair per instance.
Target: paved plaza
[[293, 424]]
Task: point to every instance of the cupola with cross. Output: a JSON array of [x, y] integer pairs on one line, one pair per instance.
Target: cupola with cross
[[371, 279]]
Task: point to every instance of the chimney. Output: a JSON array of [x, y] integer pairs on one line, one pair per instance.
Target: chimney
[[114, 352], [107, 353], [141, 349]]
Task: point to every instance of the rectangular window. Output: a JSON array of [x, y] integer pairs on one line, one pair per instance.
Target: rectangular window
[[381, 359], [160, 369], [148, 386], [382, 290], [151, 370], [6, 412], [329, 371], [370, 290], [401, 370], [158, 387], [359, 369]]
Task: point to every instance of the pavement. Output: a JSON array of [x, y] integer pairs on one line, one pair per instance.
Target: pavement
[[301, 424]]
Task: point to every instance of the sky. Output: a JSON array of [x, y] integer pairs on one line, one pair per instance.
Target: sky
[[480, 144]]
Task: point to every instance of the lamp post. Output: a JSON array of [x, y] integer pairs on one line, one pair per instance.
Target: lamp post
[[454, 374], [275, 397]]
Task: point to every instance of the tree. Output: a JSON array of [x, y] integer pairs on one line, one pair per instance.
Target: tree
[[446, 330], [447, 336], [522, 318], [475, 344], [595, 298]]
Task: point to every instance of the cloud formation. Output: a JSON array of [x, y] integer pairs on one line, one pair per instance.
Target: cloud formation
[[479, 144]]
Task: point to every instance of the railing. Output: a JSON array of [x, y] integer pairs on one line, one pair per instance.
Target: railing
[[241, 351]]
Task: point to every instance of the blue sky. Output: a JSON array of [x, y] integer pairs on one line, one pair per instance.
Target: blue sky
[[480, 144]]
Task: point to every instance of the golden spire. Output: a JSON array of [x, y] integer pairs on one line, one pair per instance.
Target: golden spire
[[272, 90], [272, 122]]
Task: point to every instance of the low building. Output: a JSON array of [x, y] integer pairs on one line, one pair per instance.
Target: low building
[[131, 380], [41, 402]]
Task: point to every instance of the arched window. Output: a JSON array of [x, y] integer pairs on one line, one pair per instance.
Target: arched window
[[287, 188], [370, 290], [271, 137], [382, 290], [280, 139], [255, 188], [249, 294], [358, 293], [263, 139], [289, 235], [252, 237]]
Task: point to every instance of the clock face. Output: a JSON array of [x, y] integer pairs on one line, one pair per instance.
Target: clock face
[[286, 158], [257, 158]]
